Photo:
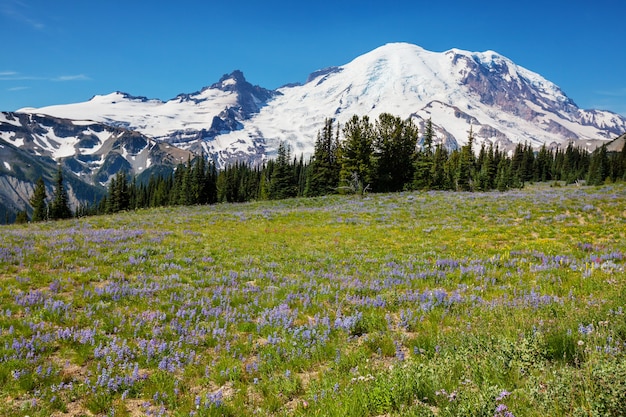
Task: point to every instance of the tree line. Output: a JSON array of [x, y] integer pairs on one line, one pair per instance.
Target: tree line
[[385, 155]]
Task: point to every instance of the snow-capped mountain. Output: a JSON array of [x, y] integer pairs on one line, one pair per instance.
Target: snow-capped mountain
[[190, 121], [502, 102], [93, 151]]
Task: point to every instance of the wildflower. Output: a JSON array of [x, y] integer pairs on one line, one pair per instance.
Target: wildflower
[[503, 394]]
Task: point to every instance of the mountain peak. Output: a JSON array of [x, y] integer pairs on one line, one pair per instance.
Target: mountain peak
[[230, 82], [235, 120]]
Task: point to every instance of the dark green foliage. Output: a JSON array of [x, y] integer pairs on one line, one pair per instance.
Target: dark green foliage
[[357, 151], [437, 170], [60, 207], [38, 201], [542, 168], [599, 167], [465, 171], [283, 182], [323, 172], [21, 217], [119, 194], [382, 157], [571, 165], [394, 153], [238, 183]]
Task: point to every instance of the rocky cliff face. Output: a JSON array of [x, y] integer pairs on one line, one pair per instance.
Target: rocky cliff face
[[90, 154]]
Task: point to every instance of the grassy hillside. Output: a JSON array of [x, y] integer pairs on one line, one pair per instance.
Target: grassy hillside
[[410, 304]]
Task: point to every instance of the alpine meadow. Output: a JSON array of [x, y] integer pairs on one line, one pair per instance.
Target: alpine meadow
[[412, 233], [428, 303]]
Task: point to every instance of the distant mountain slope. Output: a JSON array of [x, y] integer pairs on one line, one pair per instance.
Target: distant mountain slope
[[617, 144], [190, 121], [19, 171], [93, 151], [32, 145]]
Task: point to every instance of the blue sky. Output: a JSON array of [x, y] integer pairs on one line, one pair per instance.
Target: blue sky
[[65, 51]]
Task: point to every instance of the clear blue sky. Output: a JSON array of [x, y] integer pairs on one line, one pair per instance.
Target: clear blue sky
[[66, 51]]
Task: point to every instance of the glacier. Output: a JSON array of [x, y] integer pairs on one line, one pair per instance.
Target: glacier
[[231, 120]]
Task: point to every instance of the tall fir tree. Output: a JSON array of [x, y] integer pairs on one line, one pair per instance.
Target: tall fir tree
[[543, 163], [437, 170], [394, 151], [356, 153], [282, 182], [38, 202], [465, 172], [425, 160], [599, 167], [60, 207], [323, 172]]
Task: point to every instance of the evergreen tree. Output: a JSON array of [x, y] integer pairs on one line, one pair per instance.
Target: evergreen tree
[[516, 168], [210, 184], [528, 163], [503, 177], [122, 191], [486, 174], [465, 172], [543, 162], [356, 152], [264, 180], [118, 193], [282, 182], [21, 217], [599, 167], [437, 170], [38, 201], [323, 173], [575, 164], [622, 158], [60, 209], [394, 150], [451, 171], [198, 183], [424, 160]]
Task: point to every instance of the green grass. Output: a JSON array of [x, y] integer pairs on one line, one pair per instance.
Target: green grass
[[408, 304]]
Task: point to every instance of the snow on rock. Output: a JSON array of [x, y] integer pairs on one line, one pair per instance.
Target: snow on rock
[[232, 120]]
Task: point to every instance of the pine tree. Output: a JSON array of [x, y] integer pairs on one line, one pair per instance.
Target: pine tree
[[282, 182], [437, 171], [543, 162], [451, 170], [60, 208], [323, 173], [465, 173], [356, 152], [599, 167], [38, 201], [394, 151], [528, 163], [424, 160], [485, 177], [503, 177]]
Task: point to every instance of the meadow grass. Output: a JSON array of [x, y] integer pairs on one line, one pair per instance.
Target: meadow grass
[[408, 304]]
